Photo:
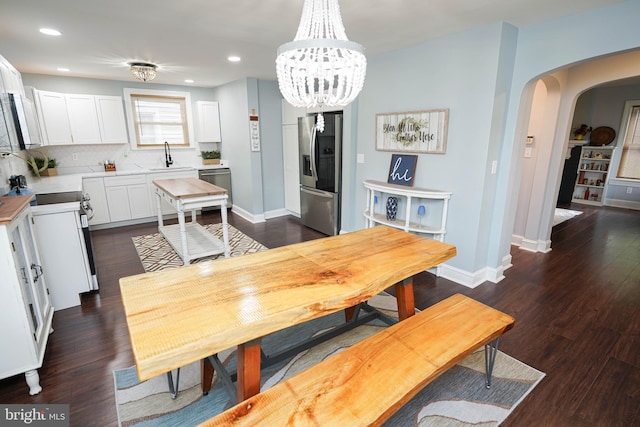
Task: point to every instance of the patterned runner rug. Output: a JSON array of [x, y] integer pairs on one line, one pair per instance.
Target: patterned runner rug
[[456, 398], [157, 254]]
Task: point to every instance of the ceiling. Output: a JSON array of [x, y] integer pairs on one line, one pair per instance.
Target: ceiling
[[191, 39]]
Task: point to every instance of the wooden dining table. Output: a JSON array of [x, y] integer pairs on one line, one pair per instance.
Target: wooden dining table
[[182, 315]]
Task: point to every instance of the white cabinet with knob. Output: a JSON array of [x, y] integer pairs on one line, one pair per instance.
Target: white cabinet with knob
[[25, 306]]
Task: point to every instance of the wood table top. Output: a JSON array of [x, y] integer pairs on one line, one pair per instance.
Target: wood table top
[[11, 206], [182, 188], [185, 314]]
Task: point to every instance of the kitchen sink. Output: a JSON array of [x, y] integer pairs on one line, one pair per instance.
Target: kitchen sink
[[169, 169], [62, 197]]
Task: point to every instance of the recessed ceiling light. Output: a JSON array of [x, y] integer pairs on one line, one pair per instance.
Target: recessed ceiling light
[[188, 81], [50, 32], [63, 69], [234, 59]]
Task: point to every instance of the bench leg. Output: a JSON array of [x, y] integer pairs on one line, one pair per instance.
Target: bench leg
[[173, 390], [490, 352]]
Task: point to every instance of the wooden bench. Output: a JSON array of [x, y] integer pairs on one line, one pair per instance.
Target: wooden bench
[[368, 382]]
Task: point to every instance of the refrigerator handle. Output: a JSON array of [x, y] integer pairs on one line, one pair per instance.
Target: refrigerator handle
[[312, 146]]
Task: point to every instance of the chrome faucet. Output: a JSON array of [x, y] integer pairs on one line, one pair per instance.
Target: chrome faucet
[[167, 154]]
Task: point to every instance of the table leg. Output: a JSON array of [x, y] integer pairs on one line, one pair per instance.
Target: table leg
[[348, 313], [225, 229], [206, 375], [183, 237], [159, 208], [248, 370], [404, 295]]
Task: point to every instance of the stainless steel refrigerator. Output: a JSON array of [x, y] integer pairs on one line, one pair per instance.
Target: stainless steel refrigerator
[[321, 172]]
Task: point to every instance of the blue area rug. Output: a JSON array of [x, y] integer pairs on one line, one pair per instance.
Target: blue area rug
[[458, 397]]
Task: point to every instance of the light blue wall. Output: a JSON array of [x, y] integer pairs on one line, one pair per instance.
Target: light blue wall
[[459, 73], [257, 176], [270, 102]]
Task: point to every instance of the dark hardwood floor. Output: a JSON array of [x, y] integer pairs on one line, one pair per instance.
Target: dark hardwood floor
[[577, 311]]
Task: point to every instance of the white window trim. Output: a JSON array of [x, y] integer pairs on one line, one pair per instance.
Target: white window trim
[[617, 151], [133, 141]]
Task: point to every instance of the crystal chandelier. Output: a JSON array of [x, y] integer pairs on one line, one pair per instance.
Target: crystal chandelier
[[320, 67], [143, 70]]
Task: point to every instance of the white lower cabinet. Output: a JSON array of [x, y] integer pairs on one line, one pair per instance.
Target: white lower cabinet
[[95, 188], [25, 307], [119, 198], [127, 197]]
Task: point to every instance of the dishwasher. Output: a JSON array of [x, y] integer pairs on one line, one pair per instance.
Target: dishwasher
[[220, 177]]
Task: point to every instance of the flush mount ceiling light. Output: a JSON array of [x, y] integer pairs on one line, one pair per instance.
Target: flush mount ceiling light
[[50, 32], [143, 70], [320, 67]]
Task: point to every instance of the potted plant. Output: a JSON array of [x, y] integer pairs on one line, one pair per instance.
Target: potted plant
[[46, 166], [581, 132], [210, 157], [37, 164]]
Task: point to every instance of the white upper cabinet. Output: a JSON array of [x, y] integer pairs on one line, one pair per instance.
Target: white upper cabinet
[[111, 119], [10, 78], [56, 129], [208, 121], [81, 119]]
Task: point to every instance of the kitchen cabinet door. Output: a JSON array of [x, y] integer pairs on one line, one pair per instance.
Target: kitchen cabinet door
[[127, 197], [83, 119], [24, 301], [118, 201], [55, 118], [208, 122], [113, 128], [10, 78], [95, 188], [139, 201]]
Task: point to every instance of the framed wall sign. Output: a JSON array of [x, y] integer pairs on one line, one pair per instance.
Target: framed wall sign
[[402, 169], [413, 131]]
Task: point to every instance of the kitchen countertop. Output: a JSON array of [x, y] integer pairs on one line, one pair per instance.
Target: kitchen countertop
[[70, 178], [11, 206]]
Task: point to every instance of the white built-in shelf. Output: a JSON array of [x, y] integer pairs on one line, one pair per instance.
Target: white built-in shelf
[[593, 169]]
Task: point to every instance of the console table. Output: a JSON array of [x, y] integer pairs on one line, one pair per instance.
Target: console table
[[191, 240], [435, 217]]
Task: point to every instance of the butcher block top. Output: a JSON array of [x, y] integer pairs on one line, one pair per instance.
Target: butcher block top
[[11, 206], [181, 188], [185, 314]]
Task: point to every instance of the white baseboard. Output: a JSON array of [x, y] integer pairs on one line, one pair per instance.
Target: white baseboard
[[543, 246], [254, 219], [276, 213], [625, 204]]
